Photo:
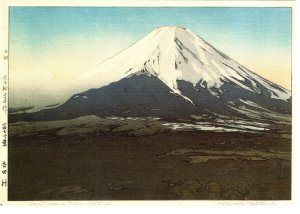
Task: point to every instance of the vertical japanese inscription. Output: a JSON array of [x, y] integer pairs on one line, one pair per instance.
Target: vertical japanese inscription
[[4, 127], [5, 87]]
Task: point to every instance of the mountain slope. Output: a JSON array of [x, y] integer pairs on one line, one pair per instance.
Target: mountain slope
[[170, 73]]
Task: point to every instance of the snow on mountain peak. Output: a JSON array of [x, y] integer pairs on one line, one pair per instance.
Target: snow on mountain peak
[[174, 53]]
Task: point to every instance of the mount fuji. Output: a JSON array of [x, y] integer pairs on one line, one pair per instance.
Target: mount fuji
[[171, 73]]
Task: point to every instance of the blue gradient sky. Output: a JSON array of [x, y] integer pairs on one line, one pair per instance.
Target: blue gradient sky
[[49, 44], [258, 27]]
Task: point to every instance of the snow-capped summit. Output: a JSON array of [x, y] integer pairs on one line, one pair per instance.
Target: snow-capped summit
[[173, 53]]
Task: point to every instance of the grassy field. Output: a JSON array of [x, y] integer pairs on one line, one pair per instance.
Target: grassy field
[[169, 165]]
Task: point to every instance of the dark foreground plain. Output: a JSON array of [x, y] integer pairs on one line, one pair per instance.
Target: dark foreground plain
[[170, 165]]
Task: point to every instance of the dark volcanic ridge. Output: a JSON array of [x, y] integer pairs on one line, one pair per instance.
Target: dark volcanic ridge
[[144, 96]]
